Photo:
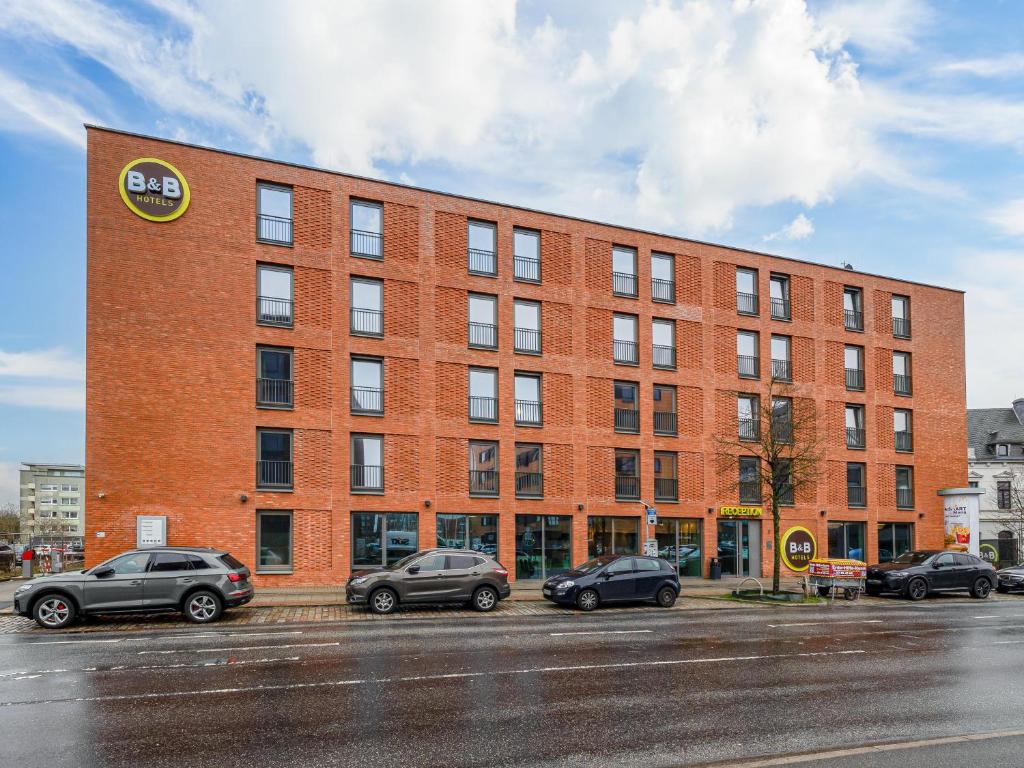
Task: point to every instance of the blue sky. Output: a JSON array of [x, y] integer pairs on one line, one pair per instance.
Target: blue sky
[[885, 133]]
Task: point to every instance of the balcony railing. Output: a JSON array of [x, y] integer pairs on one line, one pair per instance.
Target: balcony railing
[[366, 477], [853, 319], [901, 327], [482, 262], [854, 437], [274, 311], [780, 309], [529, 412], [367, 400], [782, 431], [483, 482], [905, 498], [856, 496], [273, 229], [855, 378], [746, 303], [664, 422], [627, 420], [782, 370], [748, 367], [624, 284], [274, 392], [483, 408], [663, 290], [664, 357], [666, 488], [750, 491], [367, 244], [627, 487], [527, 340], [749, 429], [529, 485], [483, 335], [366, 322], [904, 441], [274, 474], [625, 352], [901, 383], [526, 268]]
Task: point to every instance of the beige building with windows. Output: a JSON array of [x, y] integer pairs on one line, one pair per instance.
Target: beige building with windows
[[52, 502]]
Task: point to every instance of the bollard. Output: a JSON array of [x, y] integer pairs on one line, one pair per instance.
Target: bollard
[[716, 569], [26, 562]]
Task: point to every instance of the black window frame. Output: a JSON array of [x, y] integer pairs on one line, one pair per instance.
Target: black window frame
[[262, 300], [287, 471], [359, 411], [526, 334], [352, 203], [283, 567], [492, 326], [352, 331], [290, 242], [626, 284], [495, 490], [365, 488], [478, 403], [525, 261], [284, 391], [752, 300], [493, 226], [524, 409], [783, 304], [532, 484]]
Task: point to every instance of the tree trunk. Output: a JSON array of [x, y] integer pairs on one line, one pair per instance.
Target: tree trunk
[[776, 553]]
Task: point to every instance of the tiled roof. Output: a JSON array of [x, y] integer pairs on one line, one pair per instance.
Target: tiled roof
[[986, 426]]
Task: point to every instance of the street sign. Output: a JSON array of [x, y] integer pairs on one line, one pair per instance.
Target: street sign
[[652, 516], [651, 547]]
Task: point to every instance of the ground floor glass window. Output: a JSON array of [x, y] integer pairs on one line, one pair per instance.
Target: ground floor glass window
[[613, 536], [680, 542], [543, 545], [894, 539], [273, 541], [476, 532], [846, 541], [383, 538]]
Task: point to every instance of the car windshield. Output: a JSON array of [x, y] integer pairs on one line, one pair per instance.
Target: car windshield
[[403, 562], [913, 558], [592, 565]]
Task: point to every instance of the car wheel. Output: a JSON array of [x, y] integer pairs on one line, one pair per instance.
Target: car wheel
[[917, 589], [1002, 590], [203, 607], [873, 591], [53, 611], [485, 599], [981, 588], [587, 600], [666, 597], [383, 601], [824, 591]]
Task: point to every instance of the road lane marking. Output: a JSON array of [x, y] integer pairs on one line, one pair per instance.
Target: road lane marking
[[239, 648], [603, 632], [60, 642], [993, 616], [30, 674], [827, 623]]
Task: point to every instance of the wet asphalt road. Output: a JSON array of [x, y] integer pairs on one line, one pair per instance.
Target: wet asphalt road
[[642, 687]]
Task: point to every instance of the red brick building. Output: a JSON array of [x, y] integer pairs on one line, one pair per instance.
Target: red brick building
[[320, 371]]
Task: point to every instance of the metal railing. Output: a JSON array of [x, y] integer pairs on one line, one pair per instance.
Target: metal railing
[[273, 474], [366, 322], [901, 383], [782, 431], [529, 412], [782, 370], [627, 420], [856, 496], [483, 408], [855, 378], [904, 441], [664, 357], [276, 392], [366, 477], [663, 290], [527, 340], [627, 487], [749, 429], [664, 422], [367, 244], [748, 367], [855, 438], [624, 284], [750, 491], [905, 498], [482, 262], [484, 335], [483, 482], [274, 311], [901, 327], [273, 229], [625, 352], [746, 303], [666, 488], [529, 484], [367, 400], [526, 268], [780, 309], [853, 319]]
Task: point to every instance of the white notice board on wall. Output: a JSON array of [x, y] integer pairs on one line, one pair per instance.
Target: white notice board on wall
[[150, 531]]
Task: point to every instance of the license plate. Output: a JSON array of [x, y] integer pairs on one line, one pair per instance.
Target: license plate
[[547, 591]]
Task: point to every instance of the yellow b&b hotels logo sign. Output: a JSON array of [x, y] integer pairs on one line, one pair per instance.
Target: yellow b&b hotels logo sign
[[153, 189]]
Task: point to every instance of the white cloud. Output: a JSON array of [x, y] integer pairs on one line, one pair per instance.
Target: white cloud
[[54, 363], [10, 482], [61, 398], [38, 379], [799, 228], [882, 27], [28, 109], [1006, 65], [1009, 217]]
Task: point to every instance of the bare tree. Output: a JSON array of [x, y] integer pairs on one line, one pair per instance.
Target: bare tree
[[10, 519], [783, 433], [1011, 517]]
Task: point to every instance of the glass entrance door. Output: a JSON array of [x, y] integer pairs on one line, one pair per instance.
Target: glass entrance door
[[739, 547]]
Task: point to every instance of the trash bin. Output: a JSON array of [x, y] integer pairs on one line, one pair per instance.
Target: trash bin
[[26, 562], [716, 569]]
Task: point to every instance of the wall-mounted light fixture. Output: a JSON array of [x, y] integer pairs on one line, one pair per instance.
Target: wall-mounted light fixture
[[101, 495], [579, 507], [426, 503], [824, 512], [243, 498]]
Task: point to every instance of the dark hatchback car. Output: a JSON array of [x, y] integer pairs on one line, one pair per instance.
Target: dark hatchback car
[[431, 576], [1010, 579], [917, 574], [615, 579]]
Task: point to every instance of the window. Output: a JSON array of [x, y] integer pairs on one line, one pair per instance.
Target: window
[[782, 480], [1002, 494], [666, 481], [367, 464], [782, 365], [903, 434], [529, 471], [273, 214], [778, 289], [901, 317], [367, 395], [476, 532], [483, 394], [664, 409], [627, 474], [273, 377], [130, 564], [627, 407], [482, 256], [274, 295], [483, 468], [367, 236], [748, 415], [746, 291], [527, 326], [972, 484], [901, 373], [855, 437], [680, 541], [367, 307], [613, 536], [663, 334], [526, 255], [853, 309], [748, 364], [383, 538], [624, 281], [782, 420], [854, 361], [624, 346], [543, 546], [663, 280], [750, 480], [529, 409], [846, 541], [274, 459], [67, 488], [273, 541], [483, 321], [66, 502], [1002, 449], [856, 485], [905, 487]]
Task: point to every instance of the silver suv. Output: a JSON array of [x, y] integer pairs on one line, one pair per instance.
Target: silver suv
[[199, 582]]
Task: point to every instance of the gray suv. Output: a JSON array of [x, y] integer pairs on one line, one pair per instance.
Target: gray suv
[[199, 582], [432, 576]]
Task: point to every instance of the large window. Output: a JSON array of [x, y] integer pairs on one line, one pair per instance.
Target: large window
[[529, 408], [529, 471], [748, 364], [666, 481], [782, 363], [613, 536], [663, 278], [526, 255], [273, 541], [905, 487], [893, 540], [680, 541], [482, 256], [483, 321], [274, 214], [746, 291], [367, 230], [749, 480], [901, 373], [782, 420], [1003, 494], [367, 467], [748, 417], [624, 347], [627, 474], [273, 377], [383, 538], [476, 532], [903, 430], [483, 468], [855, 437], [856, 485], [846, 540], [627, 408], [274, 297], [543, 546], [367, 396], [274, 459], [527, 326], [663, 335], [367, 307], [853, 309], [483, 394], [778, 287], [901, 317], [664, 409], [624, 282], [853, 359]]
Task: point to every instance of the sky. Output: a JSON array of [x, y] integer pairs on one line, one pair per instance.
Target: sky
[[888, 134]]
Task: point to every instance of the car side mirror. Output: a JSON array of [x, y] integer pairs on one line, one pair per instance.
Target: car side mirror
[[608, 574], [936, 564], [413, 569], [102, 573]]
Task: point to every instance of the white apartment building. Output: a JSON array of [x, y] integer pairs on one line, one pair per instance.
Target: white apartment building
[[53, 501]]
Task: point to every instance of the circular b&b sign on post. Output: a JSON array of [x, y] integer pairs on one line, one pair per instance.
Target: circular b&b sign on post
[[798, 548], [153, 189]]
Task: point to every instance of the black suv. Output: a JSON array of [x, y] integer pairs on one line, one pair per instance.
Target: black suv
[[916, 574], [612, 579]]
